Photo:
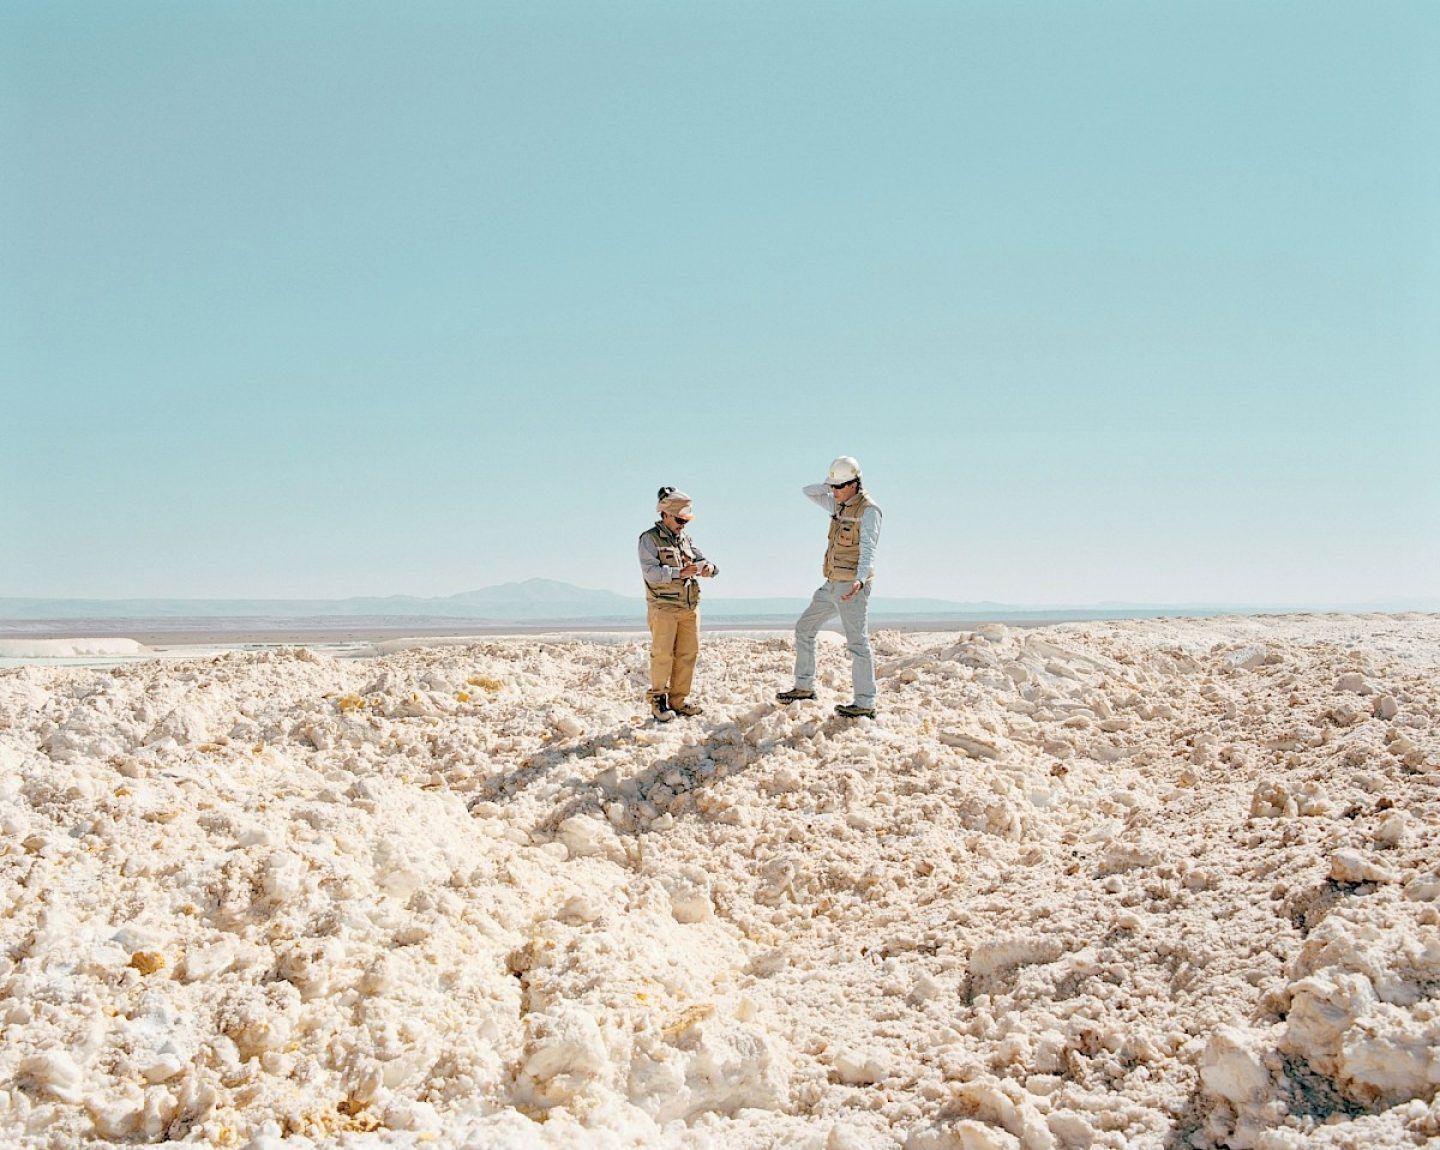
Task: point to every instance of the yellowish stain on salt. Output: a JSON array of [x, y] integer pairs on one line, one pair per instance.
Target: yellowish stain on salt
[[147, 962], [688, 1018]]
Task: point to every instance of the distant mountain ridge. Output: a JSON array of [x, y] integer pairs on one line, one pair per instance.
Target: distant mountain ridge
[[507, 602], [545, 591], [551, 601]]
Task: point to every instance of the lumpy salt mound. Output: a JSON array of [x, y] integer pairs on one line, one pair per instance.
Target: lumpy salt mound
[[1163, 883]]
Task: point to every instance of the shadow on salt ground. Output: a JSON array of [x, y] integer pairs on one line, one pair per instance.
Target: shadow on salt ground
[[537, 765], [676, 785], [1307, 1094]]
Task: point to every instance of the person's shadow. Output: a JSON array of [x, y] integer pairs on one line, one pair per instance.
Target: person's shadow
[[676, 785]]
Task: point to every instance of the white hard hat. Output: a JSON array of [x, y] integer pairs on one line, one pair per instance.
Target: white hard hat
[[843, 470]]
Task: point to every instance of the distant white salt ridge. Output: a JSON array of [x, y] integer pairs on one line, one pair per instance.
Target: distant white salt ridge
[[68, 648]]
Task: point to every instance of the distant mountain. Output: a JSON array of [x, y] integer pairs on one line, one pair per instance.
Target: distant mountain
[[534, 599], [542, 592], [550, 601]]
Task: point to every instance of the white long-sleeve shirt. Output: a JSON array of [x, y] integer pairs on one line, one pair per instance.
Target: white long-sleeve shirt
[[869, 527]]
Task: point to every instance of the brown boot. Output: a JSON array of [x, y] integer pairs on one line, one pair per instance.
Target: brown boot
[[660, 708], [686, 710], [795, 695]]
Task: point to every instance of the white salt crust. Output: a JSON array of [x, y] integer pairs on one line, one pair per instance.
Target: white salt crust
[[1131, 884]]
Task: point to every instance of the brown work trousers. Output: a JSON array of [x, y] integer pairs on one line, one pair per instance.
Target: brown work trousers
[[674, 644]]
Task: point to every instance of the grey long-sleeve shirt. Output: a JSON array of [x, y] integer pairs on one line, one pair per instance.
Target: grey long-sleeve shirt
[[657, 572], [869, 527]]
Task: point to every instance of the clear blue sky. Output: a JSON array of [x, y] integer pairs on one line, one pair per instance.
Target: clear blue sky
[[1112, 300]]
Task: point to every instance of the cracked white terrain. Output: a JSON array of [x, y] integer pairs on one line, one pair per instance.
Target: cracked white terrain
[[1155, 884]]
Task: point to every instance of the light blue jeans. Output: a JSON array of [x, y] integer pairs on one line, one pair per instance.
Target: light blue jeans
[[823, 607]]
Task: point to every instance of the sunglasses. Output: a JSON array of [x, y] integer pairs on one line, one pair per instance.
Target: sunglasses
[[839, 486]]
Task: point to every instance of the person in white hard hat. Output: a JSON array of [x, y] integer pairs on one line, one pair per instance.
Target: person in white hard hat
[[849, 570], [672, 566]]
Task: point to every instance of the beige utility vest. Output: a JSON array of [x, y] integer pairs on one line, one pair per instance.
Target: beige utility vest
[[674, 551], [842, 557]]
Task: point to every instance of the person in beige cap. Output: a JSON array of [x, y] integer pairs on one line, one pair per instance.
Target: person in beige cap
[[672, 566]]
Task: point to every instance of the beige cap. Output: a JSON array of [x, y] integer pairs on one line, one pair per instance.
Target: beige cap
[[676, 502]]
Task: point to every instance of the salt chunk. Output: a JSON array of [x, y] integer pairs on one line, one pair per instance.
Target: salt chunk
[[255, 836], [406, 1114], [209, 961], [1348, 865], [567, 1043], [579, 908], [1049, 1053], [967, 1134], [283, 877], [768, 963], [1249, 658], [845, 1137], [116, 1113], [1231, 1067], [1354, 682], [267, 1137], [1016, 1116], [860, 1068], [584, 836], [1008, 952], [1322, 1009], [1392, 1059], [1393, 830], [1120, 856], [711, 1066], [53, 1073], [160, 1066], [396, 871], [689, 896], [1385, 707], [972, 746], [1425, 888], [1074, 1132], [138, 938], [567, 725]]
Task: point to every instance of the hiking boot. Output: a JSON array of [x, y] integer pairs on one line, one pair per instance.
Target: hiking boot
[[660, 708], [853, 711], [795, 695], [686, 710]]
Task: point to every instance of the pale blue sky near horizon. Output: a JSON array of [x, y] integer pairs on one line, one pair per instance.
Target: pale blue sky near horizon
[[1113, 300]]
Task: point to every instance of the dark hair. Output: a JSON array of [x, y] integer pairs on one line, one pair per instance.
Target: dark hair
[[663, 494]]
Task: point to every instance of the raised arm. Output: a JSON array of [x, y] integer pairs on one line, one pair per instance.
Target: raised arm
[[820, 493]]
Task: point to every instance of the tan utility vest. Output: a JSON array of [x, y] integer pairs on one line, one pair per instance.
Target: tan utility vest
[[674, 551], [842, 557]]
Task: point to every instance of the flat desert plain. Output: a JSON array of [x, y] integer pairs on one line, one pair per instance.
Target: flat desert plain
[[1167, 883]]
